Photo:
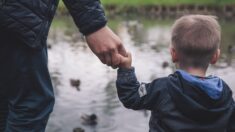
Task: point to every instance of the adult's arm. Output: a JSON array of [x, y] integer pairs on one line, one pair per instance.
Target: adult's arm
[[90, 18], [88, 15]]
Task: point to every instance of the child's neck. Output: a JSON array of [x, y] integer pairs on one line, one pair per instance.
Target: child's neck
[[195, 71]]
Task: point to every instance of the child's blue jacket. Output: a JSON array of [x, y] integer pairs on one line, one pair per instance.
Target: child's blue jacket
[[177, 105]]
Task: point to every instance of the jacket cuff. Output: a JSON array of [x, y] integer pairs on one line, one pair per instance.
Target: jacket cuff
[[93, 28], [126, 75]]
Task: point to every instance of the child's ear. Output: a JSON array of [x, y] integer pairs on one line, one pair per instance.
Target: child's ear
[[174, 55], [215, 57]]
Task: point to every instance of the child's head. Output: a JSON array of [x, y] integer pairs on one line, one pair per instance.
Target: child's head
[[195, 41]]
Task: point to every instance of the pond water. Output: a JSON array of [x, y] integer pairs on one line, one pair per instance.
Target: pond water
[[70, 58]]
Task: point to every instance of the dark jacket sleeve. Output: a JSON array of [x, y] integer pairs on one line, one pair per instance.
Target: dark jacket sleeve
[[88, 15], [134, 95]]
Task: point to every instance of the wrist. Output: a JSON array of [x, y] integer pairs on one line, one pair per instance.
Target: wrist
[[125, 66]]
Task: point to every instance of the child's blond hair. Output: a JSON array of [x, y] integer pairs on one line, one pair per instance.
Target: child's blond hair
[[196, 38]]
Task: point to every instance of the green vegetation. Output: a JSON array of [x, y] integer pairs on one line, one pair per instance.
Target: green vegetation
[[63, 22], [120, 4], [61, 8], [158, 2], [165, 2]]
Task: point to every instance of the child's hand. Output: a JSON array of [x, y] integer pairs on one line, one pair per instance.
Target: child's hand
[[126, 61]]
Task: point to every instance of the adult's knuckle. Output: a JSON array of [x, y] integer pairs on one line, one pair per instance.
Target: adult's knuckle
[[99, 53], [103, 51], [112, 49]]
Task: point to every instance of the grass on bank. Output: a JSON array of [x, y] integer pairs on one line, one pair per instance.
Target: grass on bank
[[166, 2], [160, 2]]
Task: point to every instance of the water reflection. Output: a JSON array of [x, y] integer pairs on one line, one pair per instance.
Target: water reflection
[[55, 77], [111, 101], [70, 58]]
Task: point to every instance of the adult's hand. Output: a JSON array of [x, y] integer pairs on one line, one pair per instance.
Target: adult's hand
[[107, 46]]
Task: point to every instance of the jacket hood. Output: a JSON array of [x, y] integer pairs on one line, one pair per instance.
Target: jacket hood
[[203, 101], [211, 85]]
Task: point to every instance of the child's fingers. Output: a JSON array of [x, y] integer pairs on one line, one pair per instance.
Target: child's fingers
[[127, 58], [125, 61], [120, 59], [123, 58]]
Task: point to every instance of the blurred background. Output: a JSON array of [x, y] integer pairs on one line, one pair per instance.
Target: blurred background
[[86, 98]]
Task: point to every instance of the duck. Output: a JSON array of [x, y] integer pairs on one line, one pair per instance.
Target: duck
[[89, 119], [75, 83], [78, 130], [165, 64]]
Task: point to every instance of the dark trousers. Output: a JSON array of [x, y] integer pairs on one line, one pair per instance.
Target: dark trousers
[[26, 93]]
